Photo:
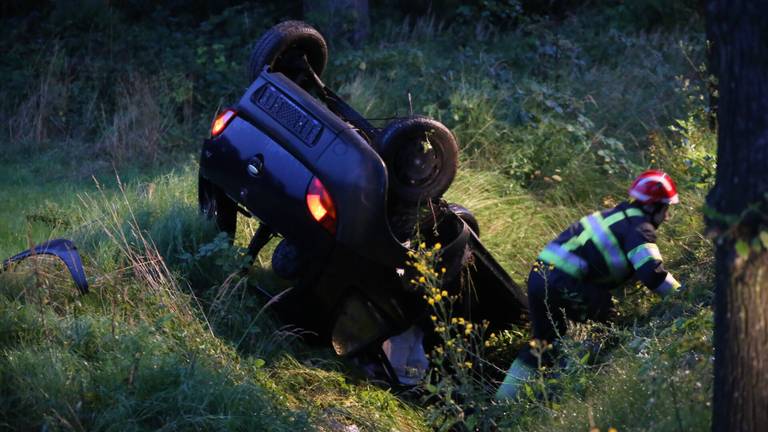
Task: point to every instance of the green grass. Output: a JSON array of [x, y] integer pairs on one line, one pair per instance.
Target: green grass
[[553, 120]]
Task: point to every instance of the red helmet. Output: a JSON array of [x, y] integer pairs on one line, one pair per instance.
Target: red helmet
[[654, 186]]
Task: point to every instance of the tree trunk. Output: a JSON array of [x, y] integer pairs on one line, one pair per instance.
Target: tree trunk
[[739, 200], [340, 19]]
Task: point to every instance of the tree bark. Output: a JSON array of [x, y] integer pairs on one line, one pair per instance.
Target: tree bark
[[340, 19], [740, 32]]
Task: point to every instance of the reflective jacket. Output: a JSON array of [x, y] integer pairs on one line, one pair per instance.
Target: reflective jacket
[[610, 247]]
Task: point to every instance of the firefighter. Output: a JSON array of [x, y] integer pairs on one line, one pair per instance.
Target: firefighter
[[576, 270]]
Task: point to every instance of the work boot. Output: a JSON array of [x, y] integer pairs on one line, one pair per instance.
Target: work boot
[[517, 376]]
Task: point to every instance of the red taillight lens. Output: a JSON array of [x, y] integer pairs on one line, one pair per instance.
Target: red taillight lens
[[221, 122], [321, 206]]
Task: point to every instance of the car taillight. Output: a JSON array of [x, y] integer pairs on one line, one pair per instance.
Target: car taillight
[[221, 122], [321, 206]]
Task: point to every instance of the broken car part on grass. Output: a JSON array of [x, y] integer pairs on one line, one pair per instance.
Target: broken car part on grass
[[63, 249]]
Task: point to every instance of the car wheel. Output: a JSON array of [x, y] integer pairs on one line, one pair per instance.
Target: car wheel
[[282, 48], [464, 214], [421, 156], [287, 261], [215, 205]]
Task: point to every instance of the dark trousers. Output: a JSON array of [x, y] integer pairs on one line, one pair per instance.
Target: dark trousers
[[553, 298]]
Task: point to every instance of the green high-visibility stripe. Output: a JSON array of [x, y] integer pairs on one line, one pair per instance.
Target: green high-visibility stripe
[[644, 253], [619, 216], [595, 240], [615, 243], [577, 241], [612, 219], [551, 258], [602, 247]]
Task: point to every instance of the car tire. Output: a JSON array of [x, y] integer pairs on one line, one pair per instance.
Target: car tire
[[421, 155], [467, 216], [281, 46], [287, 261], [215, 205]]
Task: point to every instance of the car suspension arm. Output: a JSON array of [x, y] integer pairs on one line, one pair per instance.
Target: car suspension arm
[[337, 105]]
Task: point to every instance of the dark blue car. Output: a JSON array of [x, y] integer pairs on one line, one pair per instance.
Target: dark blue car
[[346, 199]]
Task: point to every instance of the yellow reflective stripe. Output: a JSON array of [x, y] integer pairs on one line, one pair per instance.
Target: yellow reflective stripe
[[620, 215], [563, 260], [578, 241], [612, 219], [606, 243], [644, 253]]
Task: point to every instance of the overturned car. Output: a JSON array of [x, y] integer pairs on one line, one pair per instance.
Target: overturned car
[[346, 199]]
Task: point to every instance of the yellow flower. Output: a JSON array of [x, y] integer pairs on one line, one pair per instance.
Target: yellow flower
[[612, 429], [444, 293], [454, 320], [438, 298], [468, 365], [442, 270], [461, 320], [533, 343], [468, 331], [428, 254], [431, 301], [438, 246], [487, 344], [434, 318], [422, 280], [469, 326], [422, 245]]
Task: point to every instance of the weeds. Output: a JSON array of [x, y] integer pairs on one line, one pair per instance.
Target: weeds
[[137, 128], [456, 388]]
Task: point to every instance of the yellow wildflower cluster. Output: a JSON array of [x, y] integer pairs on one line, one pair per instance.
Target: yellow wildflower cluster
[[468, 326], [539, 266], [539, 344], [434, 295], [492, 340]]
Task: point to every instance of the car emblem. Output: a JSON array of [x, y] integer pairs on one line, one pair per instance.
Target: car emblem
[[256, 165]]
